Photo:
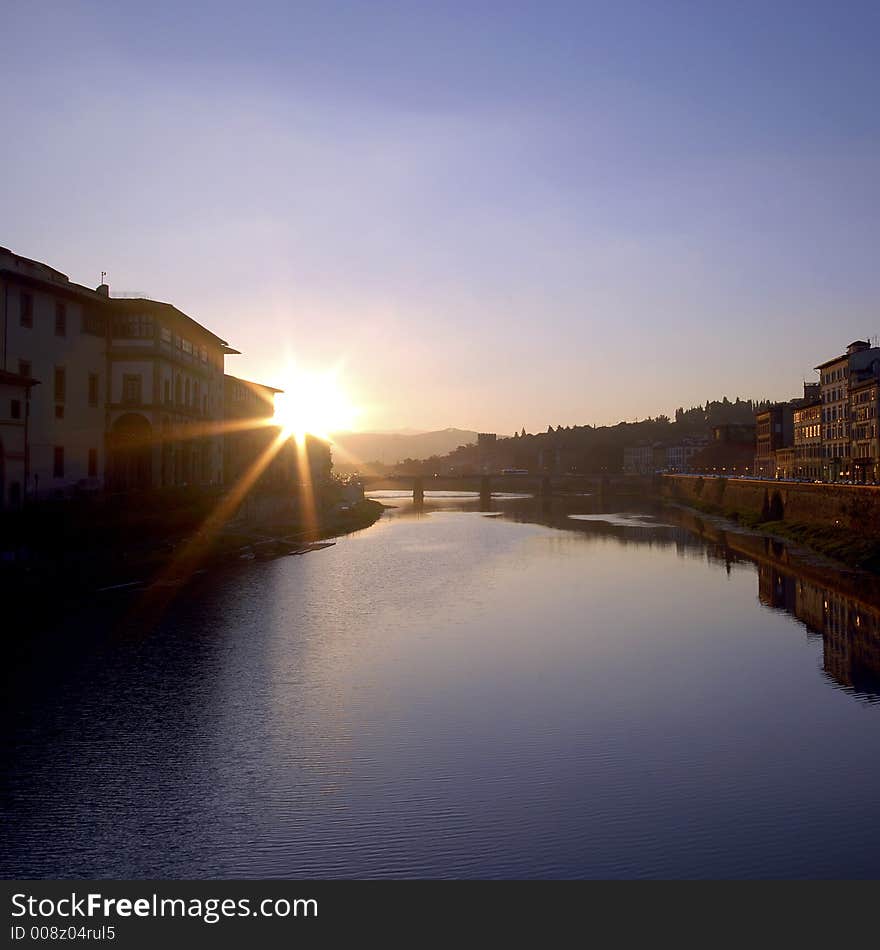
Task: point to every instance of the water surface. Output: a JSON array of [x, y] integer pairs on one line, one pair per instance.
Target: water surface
[[455, 692]]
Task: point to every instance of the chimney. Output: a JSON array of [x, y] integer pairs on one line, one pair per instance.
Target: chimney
[[103, 290]]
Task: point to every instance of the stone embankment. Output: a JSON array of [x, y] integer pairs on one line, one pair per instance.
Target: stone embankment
[[842, 521]]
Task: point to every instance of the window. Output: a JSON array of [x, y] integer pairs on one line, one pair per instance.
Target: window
[[93, 389], [60, 383], [93, 463], [136, 326], [60, 318], [131, 387], [26, 309], [59, 411], [24, 368], [187, 346], [58, 461], [187, 394], [167, 390], [15, 409], [165, 335], [93, 323], [203, 354]]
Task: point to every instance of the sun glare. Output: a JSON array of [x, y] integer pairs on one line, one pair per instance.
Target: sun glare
[[314, 403]]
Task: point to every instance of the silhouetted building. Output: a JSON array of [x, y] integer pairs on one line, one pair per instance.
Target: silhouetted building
[[680, 455], [638, 459], [738, 433], [248, 431], [164, 398], [55, 331], [773, 431], [132, 389], [731, 451]]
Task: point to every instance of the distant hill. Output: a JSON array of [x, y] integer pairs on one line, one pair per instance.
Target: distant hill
[[392, 447]]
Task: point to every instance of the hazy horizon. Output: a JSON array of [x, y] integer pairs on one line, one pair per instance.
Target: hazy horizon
[[503, 216]]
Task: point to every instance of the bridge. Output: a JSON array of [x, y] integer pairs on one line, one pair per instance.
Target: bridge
[[541, 485]]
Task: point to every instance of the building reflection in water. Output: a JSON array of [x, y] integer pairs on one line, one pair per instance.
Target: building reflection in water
[[844, 611], [850, 629]]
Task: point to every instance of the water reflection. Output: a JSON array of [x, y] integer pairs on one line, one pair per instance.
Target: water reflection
[[843, 608], [550, 687]]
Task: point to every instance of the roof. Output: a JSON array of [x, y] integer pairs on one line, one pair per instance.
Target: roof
[[61, 284], [31, 261], [837, 359], [64, 287], [137, 304], [250, 382]]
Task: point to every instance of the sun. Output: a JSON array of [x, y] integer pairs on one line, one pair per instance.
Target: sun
[[313, 403]]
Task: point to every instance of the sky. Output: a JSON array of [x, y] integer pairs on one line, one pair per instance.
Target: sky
[[487, 215]]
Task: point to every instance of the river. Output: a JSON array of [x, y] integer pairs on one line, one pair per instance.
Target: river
[[567, 690]]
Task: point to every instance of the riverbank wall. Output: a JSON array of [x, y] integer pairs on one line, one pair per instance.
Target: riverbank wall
[[841, 521], [854, 507]]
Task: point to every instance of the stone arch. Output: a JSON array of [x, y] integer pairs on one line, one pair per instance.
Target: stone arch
[[776, 507], [130, 453]]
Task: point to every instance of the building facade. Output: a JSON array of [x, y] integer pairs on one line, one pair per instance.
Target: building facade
[[807, 422], [54, 331], [165, 398], [835, 379], [248, 411], [863, 411], [15, 391], [678, 456], [131, 390], [773, 431], [785, 462], [638, 459]]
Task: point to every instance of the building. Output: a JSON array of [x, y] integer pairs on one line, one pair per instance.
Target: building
[[15, 393], [248, 411], [54, 331], [835, 377], [865, 439], [773, 431], [731, 451], [807, 425], [165, 398], [132, 389], [678, 457], [638, 459], [784, 462]]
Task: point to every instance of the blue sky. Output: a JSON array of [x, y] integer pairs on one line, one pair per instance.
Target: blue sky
[[491, 214]]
